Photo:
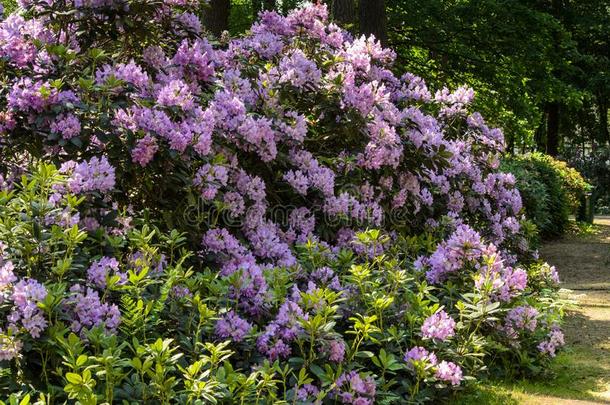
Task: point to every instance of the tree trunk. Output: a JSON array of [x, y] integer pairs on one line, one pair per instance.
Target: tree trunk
[[552, 129], [373, 19], [344, 11], [540, 134], [216, 16], [602, 107], [510, 143]]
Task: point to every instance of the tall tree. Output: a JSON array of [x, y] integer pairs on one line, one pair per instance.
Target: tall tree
[[344, 11], [373, 19], [481, 44], [216, 16], [552, 128]]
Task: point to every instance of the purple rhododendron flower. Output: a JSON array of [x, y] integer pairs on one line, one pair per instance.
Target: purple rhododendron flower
[[448, 372], [352, 388], [555, 340], [419, 353], [232, 326], [101, 269], [439, 326]]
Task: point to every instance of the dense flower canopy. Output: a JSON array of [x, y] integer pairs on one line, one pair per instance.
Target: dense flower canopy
[[297, 114], [293, 136]]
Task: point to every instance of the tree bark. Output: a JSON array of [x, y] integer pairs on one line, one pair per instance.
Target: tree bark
[[602, 107], [344, 11], [552, 129], [373, 19], [540, 134], [216, 16]]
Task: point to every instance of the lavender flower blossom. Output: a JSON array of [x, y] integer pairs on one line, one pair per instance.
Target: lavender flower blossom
[[449, 372], [439, 326], [232, 326]]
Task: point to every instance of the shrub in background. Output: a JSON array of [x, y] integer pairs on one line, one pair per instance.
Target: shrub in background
[[595, 166], [551, 190]]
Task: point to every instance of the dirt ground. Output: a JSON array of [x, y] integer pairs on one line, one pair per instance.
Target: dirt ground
[[583, 262]]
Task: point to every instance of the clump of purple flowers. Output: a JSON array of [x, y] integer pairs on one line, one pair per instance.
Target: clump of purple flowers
[[336, 351], [101, 269], [279, 334], [353, 388], [27, 293], [7, 278], [232, 326], [522, 318], [439, 326], [554, 340], [85, 309], [10, 346], [420, 354], [464, 246], [96, 174], [448, 372], [307, 392], [68, 126]]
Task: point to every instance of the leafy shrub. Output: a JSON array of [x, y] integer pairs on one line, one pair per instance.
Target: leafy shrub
[[122, 315], [209, 232], [7, 6], [549, 188], [595, 166]]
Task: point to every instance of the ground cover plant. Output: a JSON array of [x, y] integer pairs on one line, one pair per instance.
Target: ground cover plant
[[277, 217]]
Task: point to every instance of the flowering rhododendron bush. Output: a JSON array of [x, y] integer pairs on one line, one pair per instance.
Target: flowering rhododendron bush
[[277, 217]]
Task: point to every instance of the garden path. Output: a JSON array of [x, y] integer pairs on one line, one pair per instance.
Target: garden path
[[583, 262]]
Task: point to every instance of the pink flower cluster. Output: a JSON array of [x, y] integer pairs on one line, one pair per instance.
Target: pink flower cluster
[[86, 310], [353, 388], [439, 326], [25, 315]]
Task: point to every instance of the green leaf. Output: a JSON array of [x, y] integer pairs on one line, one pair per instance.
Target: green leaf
[[74, 378]]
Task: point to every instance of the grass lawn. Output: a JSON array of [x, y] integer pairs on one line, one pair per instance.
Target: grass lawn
[[578, 373]]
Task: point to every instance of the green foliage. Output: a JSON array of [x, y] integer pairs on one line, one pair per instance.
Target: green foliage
[[595, 166], [9, 6], [550, 190], [563, 58], [168, 351]]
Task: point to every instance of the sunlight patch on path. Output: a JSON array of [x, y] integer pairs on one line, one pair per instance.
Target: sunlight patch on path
[[583, 262]]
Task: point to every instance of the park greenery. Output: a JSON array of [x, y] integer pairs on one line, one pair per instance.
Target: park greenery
[[285, 202]]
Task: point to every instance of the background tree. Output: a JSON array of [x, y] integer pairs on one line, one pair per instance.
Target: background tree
[[344, 11], [216, 16], [373, 19]]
